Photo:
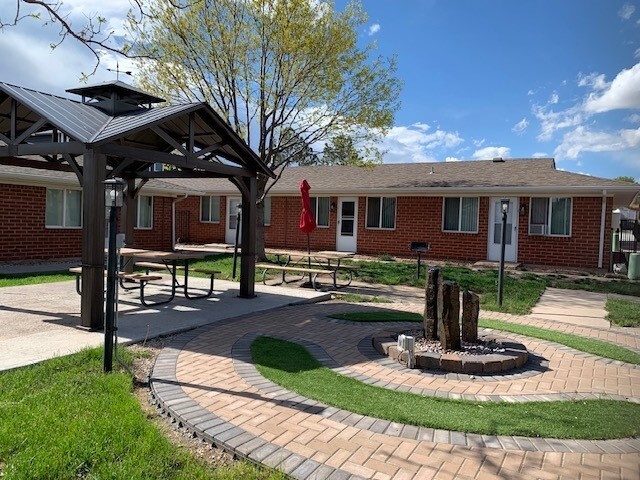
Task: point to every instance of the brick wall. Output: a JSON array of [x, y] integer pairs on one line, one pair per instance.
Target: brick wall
[[580, 250], [23, 235], [201, 232]]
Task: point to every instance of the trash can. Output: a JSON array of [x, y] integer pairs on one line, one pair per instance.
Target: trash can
[[633, 271]]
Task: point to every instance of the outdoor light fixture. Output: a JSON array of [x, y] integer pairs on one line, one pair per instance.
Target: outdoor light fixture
[[113, 193], [523, 209], [504, 204], [113, 198]]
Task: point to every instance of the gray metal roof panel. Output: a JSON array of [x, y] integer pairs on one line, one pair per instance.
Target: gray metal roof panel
[[81, 122]]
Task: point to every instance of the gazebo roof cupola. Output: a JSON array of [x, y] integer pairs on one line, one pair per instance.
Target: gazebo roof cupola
[[116, 97]]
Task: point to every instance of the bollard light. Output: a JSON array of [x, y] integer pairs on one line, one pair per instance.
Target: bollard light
[[504, 203], [113, 198]]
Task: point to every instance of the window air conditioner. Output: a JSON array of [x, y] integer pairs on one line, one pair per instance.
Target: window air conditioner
[[537, 229]]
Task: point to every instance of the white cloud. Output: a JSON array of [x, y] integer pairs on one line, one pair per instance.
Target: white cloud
[[531, 92], [479, 143], [626, 11], [451, 159], [554, 98], [593, 80], [373, 29], [540, 155], [581, 139], [521, 126], [636, 54], [550, 120], [633, 118], [416, 143], [622, 93], [492, 152]]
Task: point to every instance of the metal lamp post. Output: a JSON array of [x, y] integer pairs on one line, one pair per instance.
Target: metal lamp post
[[504, 203], [113, 193]]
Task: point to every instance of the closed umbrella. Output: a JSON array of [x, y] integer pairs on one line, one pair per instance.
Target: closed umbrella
[[307, 219]]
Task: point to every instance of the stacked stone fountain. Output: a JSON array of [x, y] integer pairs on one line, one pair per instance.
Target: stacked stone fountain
[[442, 323]]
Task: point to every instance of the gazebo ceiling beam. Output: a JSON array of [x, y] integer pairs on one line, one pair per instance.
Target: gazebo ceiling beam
[[192, 161], [31, 130], [181, 174], [39, 164], [74, 165], [72, 148], [169, 139]]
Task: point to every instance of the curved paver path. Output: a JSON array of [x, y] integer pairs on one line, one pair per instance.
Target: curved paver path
[[207, 382]]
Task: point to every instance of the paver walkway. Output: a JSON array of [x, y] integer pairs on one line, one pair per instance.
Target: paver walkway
[[207, 382]]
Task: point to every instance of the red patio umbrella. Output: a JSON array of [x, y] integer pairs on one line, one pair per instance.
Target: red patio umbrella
[[307, 219]]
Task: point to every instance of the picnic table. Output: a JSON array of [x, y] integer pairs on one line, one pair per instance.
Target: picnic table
[[171, 262], [314, 264]]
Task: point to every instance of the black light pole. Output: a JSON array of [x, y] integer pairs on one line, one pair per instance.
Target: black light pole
[[235, 246], [504, 203], [113, 199]]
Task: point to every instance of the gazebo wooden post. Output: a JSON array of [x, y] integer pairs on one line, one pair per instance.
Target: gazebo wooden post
[[128, 216], [249, 223], [93, 235]]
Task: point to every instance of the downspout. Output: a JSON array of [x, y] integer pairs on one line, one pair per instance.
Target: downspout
[[173, 219], [602, 228]]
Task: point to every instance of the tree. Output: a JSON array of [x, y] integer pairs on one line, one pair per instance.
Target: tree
[[285, 74], [625, 178], [271, 67], [340, 150]]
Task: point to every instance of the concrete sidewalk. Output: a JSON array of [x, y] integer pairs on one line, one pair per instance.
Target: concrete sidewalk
[[38, 322]]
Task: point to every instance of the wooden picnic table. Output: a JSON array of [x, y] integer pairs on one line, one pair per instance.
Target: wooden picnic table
[[324, 262], [168, 260]]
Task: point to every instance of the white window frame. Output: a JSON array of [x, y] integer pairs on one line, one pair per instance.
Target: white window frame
[[64, 209], [459, 230], [211, 197], [316, 211], [266, 220], [137, 225], [395, 214], [547, 226]]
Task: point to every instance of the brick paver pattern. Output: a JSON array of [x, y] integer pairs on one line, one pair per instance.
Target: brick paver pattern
[[205, 370]]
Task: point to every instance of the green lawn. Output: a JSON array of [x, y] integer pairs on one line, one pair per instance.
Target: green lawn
[[292, 367], [65, 419], [623, 313]]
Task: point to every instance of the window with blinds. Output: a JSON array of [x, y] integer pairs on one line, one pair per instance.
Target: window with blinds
[[460, 214], [550, 216], [381, 212]]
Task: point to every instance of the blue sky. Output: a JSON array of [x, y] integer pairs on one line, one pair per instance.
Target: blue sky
[[482, 78], [515, 79]]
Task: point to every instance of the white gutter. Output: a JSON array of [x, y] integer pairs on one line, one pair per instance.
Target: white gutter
[[602, 227], [173, 219]]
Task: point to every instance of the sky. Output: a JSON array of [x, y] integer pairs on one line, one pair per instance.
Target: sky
[[481, 78]]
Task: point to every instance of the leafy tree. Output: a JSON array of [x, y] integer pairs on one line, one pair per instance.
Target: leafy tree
[[340, 150], [270, 68], [625, 178]]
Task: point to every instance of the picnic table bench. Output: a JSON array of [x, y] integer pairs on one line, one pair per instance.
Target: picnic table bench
[[313, 272], [141, 279]]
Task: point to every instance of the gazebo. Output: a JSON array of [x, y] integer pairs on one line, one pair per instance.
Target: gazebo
[[115, 132]]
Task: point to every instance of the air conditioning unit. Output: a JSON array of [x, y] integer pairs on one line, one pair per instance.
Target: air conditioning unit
[[537, 229]]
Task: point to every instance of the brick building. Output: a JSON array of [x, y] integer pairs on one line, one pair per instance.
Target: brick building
[[555, 217]]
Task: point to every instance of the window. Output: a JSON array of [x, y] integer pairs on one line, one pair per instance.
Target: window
[[381, 212], [144, 212], [267, 211], [550, 216], [210, 209], [320, 209], [64, 208], [461, 214]]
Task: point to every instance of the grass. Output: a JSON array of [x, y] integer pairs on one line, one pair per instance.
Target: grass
[[65, 419], [33, 278], [356, 298], [623, 313], [292, 367], [588, 345]]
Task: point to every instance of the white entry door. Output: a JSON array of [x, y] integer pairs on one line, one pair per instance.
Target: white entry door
[[347, 230], [495, 230], [232, 217]]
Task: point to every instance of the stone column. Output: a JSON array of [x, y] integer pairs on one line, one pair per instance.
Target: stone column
[[470, 312], [432, 288], [449, 322]]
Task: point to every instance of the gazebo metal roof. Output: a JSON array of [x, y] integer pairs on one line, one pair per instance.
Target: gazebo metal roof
[[115, 132]]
